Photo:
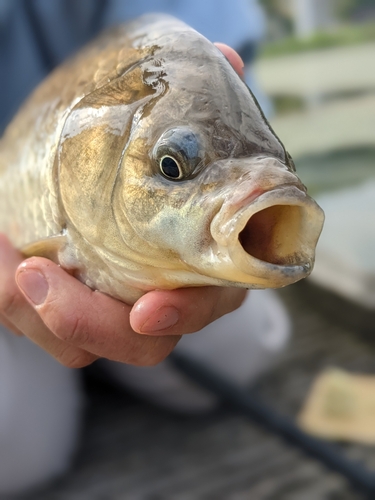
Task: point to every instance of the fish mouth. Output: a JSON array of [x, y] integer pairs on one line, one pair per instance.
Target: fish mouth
[[271, 235], [271, 239]]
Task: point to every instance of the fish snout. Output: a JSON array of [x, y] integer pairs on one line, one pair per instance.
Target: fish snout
[[269, 234]]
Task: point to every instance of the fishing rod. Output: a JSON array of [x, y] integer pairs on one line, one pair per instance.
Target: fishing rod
[[250, 405]]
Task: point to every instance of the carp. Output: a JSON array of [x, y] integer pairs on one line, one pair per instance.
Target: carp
[[144, 162]]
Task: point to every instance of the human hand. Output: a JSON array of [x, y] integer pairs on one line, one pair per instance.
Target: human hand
[[77, 325]]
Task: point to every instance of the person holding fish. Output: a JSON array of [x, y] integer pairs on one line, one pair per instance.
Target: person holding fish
[[77, 324], [167, 314]]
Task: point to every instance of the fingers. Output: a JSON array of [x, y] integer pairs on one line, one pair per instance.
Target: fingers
[[77, 325], [232, 56], [17, 314], [11, 301], [67, 319], [9, 326], [84, 319], [187, 310], [10, 298]]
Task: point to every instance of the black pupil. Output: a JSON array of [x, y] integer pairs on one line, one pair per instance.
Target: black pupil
[[169, 167]]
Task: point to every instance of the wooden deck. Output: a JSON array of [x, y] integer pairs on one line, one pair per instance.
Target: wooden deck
[[132, 450]]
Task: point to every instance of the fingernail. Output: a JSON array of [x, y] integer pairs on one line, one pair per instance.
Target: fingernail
[[33, 284], [163, 318]]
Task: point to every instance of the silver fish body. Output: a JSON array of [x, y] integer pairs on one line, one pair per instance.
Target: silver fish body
[[145, 162]]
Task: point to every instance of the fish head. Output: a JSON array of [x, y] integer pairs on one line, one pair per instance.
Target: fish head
[[208, 184], [199, 189]]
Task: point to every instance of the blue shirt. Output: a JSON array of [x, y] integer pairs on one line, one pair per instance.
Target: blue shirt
[[36, 35]]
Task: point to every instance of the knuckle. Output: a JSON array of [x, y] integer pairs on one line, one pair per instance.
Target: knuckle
[[239, 298], [72, 329], [74, 358], [151, 355], [154, 360], [231, 300]]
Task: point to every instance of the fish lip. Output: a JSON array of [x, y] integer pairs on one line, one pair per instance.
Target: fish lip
[[253, 203], [258, 195], [266, 199], [232, 219]]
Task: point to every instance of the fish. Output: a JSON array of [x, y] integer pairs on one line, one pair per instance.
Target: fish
[[144, 162]]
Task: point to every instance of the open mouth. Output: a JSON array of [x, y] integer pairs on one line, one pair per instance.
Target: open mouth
[[276, 235], [269, 241]]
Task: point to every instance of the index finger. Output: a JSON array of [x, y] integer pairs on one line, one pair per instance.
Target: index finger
[[185, 310], [232, 56]]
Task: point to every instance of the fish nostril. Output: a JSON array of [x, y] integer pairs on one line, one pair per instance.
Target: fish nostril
[[276, 235]]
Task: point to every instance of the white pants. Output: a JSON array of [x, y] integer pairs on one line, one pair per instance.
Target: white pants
[[40, 407], [41, 401]]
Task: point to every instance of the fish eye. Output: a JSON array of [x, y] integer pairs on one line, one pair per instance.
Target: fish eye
[[178, 153], [170, 167]]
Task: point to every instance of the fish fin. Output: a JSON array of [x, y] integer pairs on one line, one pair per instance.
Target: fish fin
[[49, 248]]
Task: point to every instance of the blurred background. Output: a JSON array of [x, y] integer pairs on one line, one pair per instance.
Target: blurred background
[[311, 65], [316, 67]]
